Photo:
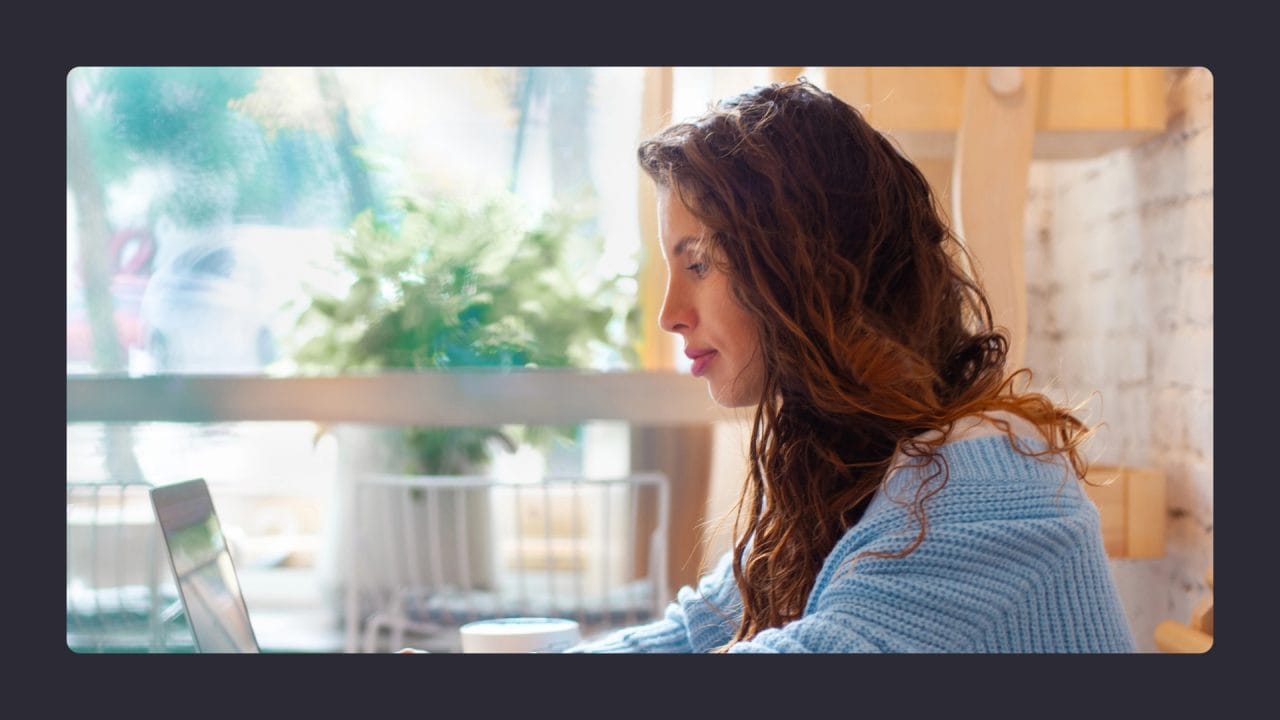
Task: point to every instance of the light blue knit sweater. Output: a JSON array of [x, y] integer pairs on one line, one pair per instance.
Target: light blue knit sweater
[[1012, 562]]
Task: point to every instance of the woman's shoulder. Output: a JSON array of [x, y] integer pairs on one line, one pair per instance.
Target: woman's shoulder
[[983, 471], [988, 424], [986, 494]]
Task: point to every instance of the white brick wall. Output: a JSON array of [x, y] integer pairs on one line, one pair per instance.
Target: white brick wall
[[1119, 266]]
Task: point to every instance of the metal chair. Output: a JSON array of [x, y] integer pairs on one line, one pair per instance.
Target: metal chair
[[120, 595], [432, 553]]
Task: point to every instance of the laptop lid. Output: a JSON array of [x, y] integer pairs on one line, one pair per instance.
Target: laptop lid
[[202, 568]]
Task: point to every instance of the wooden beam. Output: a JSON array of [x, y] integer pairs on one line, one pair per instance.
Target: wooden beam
[[989, 188], [656, 347]]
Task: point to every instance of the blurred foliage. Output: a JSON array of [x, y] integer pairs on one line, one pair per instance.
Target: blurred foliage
[[454, 285], [178, 114], [187, 121]]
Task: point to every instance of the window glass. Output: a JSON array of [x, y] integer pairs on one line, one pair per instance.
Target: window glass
[[207, 207]]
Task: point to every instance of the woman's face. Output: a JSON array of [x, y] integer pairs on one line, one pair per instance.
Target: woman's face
[[718, 334]]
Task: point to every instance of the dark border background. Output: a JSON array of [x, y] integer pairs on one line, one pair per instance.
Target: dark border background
[[791, 34]]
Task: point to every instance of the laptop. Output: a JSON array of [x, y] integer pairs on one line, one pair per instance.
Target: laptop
[[202, 568]]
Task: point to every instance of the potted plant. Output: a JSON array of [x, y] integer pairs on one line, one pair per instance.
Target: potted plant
[[451, 285]]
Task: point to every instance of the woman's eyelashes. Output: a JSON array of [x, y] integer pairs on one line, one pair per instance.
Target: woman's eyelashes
[[699, 268]]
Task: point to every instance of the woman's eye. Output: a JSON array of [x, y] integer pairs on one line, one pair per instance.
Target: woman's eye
[[699, 268]]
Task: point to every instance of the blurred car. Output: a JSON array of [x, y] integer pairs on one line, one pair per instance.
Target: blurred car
[[130, 254], [210, 309], [126, 300]]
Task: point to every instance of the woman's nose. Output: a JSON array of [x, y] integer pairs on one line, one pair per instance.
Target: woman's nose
[[677, 315]]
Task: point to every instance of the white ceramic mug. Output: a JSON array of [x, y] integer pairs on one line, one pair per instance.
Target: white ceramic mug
[[520, 635]]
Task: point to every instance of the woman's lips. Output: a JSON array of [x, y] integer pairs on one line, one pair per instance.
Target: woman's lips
[[700, 363]]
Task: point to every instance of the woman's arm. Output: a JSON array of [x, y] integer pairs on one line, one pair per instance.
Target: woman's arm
[[690, 624]]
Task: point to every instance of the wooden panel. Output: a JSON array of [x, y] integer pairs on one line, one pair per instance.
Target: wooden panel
[[916, 98], [850, 84], [1147, 90], [1110, 501], [1131, 503], [1081, 111], [1175, 637], [1195, 636], [1145, 512], [657, 347], [1083, 98]]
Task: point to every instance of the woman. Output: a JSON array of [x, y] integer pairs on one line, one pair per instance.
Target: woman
[[902, 495]]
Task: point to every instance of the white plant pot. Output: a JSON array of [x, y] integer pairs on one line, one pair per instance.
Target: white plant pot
[[388, 538]]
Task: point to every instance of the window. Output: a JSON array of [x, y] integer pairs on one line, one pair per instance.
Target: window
[[166, 161]]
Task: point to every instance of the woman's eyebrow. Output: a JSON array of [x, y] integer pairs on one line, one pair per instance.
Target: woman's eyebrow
[[682, 245]]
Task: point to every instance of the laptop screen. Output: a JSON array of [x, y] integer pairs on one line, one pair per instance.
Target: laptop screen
[[202, 568]]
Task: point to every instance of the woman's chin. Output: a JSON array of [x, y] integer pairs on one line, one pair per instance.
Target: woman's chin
[[728, 397]]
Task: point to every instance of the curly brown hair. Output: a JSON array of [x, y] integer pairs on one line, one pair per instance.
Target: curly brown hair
[[871, 333]]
